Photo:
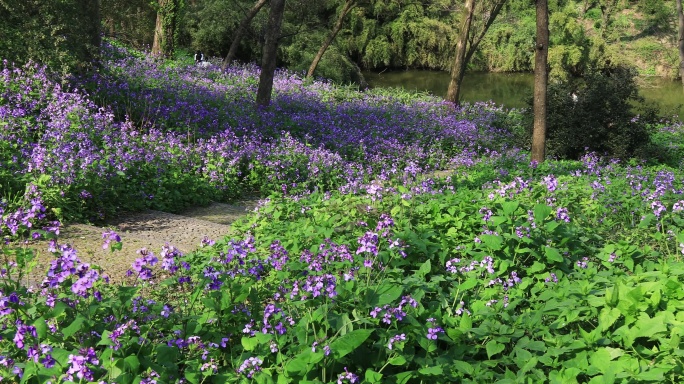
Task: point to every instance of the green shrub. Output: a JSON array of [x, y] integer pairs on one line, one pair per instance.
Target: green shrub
[[602, 118]]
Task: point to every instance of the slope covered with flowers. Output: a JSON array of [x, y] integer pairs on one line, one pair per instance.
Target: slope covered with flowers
[[358, 267]]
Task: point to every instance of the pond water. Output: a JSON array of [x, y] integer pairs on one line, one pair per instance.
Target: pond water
[[514, 89]]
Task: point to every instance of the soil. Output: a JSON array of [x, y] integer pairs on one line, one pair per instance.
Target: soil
[[149, 229]]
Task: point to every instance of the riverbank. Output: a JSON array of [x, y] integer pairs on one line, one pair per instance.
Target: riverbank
[[513, 90]]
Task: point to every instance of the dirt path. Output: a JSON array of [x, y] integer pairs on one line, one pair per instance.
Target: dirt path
[[149, 229]]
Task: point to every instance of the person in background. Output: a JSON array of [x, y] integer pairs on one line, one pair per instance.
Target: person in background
[[199, 57]]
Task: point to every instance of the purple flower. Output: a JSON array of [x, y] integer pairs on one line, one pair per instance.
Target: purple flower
[[207, 242], [396, 339], [550, 182], [79, 365], [140, 268], [563, 215], [250, 366], [347, 376], [108, 237], [369, 243]]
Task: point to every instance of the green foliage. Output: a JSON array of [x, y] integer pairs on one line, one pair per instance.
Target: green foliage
[[393, 34], [603, 119], [63, 35], [129, 21], [658, 13], [509, 45]]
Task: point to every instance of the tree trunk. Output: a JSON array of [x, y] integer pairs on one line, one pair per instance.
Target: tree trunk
[[541, 77], [475, 41], [268, 60], [240, 31], [91, 26], [458, 69], [348, 5], [680, 39], [165, 28]]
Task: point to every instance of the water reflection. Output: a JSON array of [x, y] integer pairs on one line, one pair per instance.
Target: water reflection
[[515, 89]]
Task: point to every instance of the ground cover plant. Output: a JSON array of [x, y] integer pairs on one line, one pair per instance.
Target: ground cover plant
[[358, 267]]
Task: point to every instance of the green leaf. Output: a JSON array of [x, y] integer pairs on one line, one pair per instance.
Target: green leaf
[[466, 323], [654, 374], [468, 284], [297, 366], [74, 327], [552, 254], [384, 294], [463, 367], [531, 363], [193, 377], [494, 347], [646, 222], [613, 295], [300, 364], [541, 212], [372, 376], [249, 343], [404, 377], [397, 360], [607, 317], [132, 363], [510, 207], [493, 242], [536, 267], [41, 327], [349, 342], [167, 356], [432, 371], [599, 359], [424, 269]]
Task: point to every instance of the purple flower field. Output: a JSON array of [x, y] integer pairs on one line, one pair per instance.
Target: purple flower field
[[360, 267], [163, 126]]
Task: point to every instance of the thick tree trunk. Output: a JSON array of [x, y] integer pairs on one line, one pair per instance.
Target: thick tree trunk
[[240, 31], [680, 39], [158, 35], [165, 28], [541, 77], [91, 26], [348, 6], [268, 60], [458, 69]]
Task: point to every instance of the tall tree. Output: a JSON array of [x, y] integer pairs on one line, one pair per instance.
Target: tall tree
[[268, 61], [91, 11], [458, 69], [168, 17], [348, 6], [242, 27], [680, 39], [469, 39], [541, 79]]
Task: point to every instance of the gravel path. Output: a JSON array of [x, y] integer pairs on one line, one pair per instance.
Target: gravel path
[[148, 229]]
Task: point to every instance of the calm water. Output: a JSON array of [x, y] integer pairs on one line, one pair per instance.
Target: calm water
[[514, 89]]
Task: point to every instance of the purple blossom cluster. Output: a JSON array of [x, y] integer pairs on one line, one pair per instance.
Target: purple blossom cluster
[[454, 265], [67, 266], [347, 377], [250, 367], [80, 365], [142, 266], [388, 313], [433, 329], [396, 339]]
